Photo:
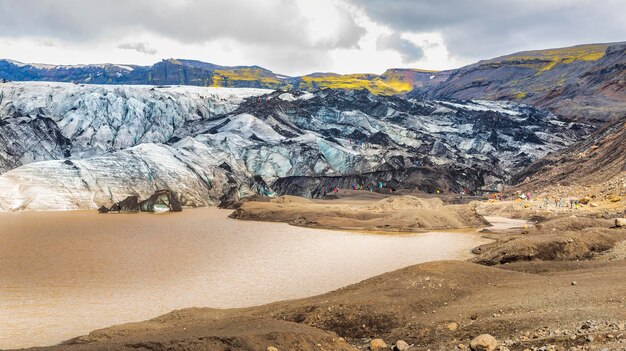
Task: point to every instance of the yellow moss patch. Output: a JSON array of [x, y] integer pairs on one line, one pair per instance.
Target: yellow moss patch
[[403, 79], [373, 83], [248, 74], [545, 60], [520, 95]]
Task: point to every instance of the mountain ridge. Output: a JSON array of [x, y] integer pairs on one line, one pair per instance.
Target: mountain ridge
[[582, 83], [193, 72]]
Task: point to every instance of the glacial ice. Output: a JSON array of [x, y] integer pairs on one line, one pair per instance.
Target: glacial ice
[[66, 146]]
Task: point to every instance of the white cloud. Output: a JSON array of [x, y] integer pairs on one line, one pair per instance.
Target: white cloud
[[143, 48], [408, 50], [299, 36], [480, 29]]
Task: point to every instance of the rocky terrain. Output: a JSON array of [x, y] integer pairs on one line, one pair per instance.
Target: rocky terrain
[[571, 238], [69, 146], [584, 82], [597, 160]]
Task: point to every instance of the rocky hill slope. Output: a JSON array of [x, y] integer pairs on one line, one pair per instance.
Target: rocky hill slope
[[599, 158], [68, 146], [586, 82]]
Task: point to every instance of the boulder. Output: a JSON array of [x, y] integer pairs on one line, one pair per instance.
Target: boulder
[[271, 348], [129, 204], [620, 222], [484, 342], [401, 345], [377, 344]]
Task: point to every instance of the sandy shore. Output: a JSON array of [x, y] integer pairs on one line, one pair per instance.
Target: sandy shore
[[364, 211], [557, 286]]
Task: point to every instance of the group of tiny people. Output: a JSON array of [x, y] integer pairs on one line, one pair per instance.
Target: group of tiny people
[[559, 202], [382, 187], [496, 196]]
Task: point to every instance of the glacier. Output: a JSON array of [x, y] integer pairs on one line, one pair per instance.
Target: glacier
[[67, 146], [43, 121]]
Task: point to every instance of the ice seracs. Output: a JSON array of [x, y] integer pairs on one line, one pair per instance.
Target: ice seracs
[[89, 120], [67, 146]]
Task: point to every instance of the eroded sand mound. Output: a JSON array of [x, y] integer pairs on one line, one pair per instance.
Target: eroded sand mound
[[560, 239], [405, 203], [207, 329], [571, 223], [288, 199], [393, 214]]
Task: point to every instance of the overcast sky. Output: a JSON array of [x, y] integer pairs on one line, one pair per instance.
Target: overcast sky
[[300, 36]]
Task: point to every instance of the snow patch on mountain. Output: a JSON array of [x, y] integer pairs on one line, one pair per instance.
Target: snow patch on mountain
[[505, 107]]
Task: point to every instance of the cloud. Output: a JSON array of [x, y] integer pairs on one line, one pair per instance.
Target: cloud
[[272, 22], [293, 36], [485, 28], [45, 42], [281, 60], [409, 51], [143, 48], [347, 33]]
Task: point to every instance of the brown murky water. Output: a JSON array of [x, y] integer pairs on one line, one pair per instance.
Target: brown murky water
[[63, 274]]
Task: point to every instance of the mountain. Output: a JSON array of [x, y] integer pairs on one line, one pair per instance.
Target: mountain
[[392, 81], [68, 146], [99, 73], [585, 82], [190, 72], [582, 83], [166, 72]]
